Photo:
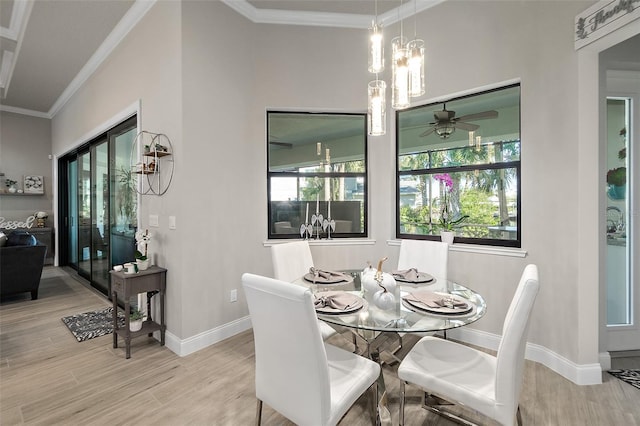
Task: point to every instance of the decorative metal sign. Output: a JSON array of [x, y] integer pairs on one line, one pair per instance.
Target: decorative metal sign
[[603, 18], [15, 224]]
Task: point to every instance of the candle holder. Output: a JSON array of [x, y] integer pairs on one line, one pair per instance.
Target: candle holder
[[316, 220], [306, 231], [329, 225]]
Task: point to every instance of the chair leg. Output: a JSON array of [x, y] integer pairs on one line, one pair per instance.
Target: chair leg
[[259, 413], [402, 390], [374, 402]]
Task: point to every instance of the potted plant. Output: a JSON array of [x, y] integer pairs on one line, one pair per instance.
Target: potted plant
[[142, 240], [135, 319], [617, 181], [11, 185], [127, 195], [447, 223]]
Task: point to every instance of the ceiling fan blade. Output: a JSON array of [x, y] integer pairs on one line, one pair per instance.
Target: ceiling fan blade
[[479, 116], [427, 132], [284, 144], [466, 126]]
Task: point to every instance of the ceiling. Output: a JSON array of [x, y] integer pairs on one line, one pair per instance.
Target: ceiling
[[49, 48]]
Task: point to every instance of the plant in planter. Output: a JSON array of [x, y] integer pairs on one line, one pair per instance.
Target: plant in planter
[[447, 223], [135, 319], [617, 181], [142, 240]]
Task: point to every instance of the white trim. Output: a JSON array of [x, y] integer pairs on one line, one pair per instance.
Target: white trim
[[5, 66], [478, 249], [325, 19], [207, 338], [580, 374], [18, 21], [21, 17], [325, 242], [605, 360], [126, 24], [133, 109], [23, 111]]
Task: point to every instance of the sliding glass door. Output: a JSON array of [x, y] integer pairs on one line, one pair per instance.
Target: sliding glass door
[[99, 205]]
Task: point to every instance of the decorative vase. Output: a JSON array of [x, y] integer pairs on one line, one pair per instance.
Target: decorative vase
[[135, 325], [447, 237], [617, 192], [142, 264], [13, 189]]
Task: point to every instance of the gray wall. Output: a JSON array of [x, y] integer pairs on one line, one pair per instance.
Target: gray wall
[[25, 146], [206, 76]]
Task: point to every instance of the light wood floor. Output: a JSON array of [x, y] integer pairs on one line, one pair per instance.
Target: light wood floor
[[48, 378]]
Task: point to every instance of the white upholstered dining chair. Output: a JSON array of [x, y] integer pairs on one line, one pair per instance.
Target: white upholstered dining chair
[[297, 374], [291, 261], [427, 256], [460, 374]]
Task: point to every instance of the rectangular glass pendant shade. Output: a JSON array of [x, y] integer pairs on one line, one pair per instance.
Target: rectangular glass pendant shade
[[376, 50], [400, 73], [415, 50], [377, 111]]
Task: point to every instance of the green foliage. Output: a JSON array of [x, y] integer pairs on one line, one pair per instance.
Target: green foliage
[[135, 314], [477, 205], [617, 176]]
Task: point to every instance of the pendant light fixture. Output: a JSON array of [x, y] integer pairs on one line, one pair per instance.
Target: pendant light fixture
[[415, 51], [377, 103], [400, 72], [376, 113], [376, 46], [400, 69]]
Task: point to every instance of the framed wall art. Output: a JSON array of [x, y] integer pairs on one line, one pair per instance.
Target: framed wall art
[[34, 184]]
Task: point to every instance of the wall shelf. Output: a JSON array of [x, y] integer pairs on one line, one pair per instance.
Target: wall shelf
[[152, 161]]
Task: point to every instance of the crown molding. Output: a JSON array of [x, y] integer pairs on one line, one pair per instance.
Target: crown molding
[[324, 19], [24, 111], [126, 24], [20, 11]]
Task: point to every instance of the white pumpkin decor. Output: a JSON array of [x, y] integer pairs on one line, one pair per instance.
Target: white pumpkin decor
[[379, 287]]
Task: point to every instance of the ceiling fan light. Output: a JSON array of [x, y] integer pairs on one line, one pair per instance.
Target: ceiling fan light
[[376, 50], [415, 50], [377, 108], [444, 130]]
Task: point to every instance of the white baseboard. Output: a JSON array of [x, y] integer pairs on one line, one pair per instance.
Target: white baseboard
[[206, 338], [605, 360], [580, 374]]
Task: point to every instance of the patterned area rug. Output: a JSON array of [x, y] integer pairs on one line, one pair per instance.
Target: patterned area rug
[[630, 376], [92, 324]]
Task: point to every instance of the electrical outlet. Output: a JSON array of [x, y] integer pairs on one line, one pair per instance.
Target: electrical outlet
[[233, 296]]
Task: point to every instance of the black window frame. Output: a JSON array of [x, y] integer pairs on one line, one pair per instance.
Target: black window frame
[[517, 165], [272, 235]]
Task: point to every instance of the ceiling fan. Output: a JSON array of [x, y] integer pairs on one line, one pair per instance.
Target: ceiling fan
[[446, 122]]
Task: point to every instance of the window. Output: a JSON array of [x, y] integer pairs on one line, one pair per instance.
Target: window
[[317, 166], [459, 164]]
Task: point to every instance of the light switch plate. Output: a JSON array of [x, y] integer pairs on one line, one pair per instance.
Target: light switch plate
[[172, 222], [153, 220]]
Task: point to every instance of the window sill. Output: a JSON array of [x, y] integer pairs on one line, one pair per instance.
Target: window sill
[[325, 242], [471, 248]]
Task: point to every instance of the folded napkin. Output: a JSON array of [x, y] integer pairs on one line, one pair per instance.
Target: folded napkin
[[328, 275], [339, 301], [407, 275], [434, 300]]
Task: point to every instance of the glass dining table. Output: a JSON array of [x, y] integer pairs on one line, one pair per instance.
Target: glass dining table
[[370, 322]]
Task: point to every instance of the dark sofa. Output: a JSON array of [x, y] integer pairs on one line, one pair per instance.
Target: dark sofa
[[21, 262]]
